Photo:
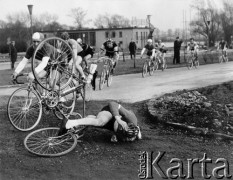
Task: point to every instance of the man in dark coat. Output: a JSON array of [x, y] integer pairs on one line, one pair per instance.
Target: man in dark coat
[[177, 45], [132, 49], [12, 54]]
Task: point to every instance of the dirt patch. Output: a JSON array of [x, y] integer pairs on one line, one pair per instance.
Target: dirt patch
[[97, 158]]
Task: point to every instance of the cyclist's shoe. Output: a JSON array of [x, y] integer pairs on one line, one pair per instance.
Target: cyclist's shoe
[[114, 139]]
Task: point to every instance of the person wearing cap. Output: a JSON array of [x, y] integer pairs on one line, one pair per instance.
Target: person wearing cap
[[114, 117], [36, 39], [149, 47], [177, 46], [111, 50]]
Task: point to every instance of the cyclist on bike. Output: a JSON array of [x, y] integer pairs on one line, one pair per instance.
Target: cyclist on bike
[[223, 46], [111, 49], [160, 48], [149, 47], [192, 46], [113, 117], [76, 49], [87, 54], [40, 69]]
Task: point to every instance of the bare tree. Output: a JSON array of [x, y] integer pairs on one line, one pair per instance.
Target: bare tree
[[111, 21], [208, 23], [78, 14], [227, 20]]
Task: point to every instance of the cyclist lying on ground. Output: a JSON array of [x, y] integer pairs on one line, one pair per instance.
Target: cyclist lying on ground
[[150, 49], [113, 117], [111, 49], [223, 46], [192, 46]]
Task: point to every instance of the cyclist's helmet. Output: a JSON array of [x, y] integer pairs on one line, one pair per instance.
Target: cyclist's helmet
[[128, 135], [65, 36], [159, 41], [109, 40], [191, 39], [149, 40], [37, 36], [79, 40]]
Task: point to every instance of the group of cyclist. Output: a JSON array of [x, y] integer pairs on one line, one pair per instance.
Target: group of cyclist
[[114, 117], [159, 49]]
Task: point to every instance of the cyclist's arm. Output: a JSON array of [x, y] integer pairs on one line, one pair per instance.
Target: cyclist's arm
[[21, 66], [102, 49], [142, 52], [42, 65], [153, 52]]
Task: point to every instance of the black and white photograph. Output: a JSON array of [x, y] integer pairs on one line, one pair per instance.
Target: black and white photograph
[[116, 89]]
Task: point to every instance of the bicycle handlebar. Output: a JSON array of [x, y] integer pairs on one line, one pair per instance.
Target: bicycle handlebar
[[15, 80]]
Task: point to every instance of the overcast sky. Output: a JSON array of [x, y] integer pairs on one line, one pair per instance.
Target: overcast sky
[[165, 14]]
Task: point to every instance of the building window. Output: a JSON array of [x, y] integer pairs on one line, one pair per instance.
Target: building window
[[106, 35], [113, 34], [137, 36], [120, 34]]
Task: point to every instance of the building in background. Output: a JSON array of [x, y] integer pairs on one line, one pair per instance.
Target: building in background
[[96, 37]]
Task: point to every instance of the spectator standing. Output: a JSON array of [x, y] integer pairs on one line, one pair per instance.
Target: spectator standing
[[12, 54], [177, 46], [132, 49]]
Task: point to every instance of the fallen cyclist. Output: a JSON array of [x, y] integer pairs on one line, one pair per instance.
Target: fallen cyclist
[[113, 117]]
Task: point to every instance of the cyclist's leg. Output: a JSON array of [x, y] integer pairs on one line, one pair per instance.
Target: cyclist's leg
[[77, 62], [100, 120]]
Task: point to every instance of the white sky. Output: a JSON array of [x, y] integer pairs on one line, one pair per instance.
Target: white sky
[[165, 13]]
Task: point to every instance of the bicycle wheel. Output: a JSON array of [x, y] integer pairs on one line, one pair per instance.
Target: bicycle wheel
[[102, 79], [151, 68], [196, 63], [24, 109], [59, 64], [189, 63], [226, 59], [144, 69], [66, 106], [45, 142], [109, 78], [156, 65], [220, 59]]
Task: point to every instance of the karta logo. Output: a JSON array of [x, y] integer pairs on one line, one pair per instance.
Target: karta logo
[[149, 164]]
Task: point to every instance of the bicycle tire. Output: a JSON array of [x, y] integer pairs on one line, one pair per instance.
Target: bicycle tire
[[156, 65], [144, 69], [189, 63], [220, 59], [66, 107], [24, 109], [151, 68], [196, 64], [60, 54], [109, 77], [102, 79], [45, 142]]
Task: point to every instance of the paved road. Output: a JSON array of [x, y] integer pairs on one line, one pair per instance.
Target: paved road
[[133, 88]]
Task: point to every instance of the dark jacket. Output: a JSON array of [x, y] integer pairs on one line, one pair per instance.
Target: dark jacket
[[177, 45], [12, 52], [132, 47]]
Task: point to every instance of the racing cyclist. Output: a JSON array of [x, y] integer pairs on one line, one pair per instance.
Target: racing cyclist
[[223, 46], [160, 48], [192, 46], [87, 54], [111, 49], [76, 49], [149, 47]]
